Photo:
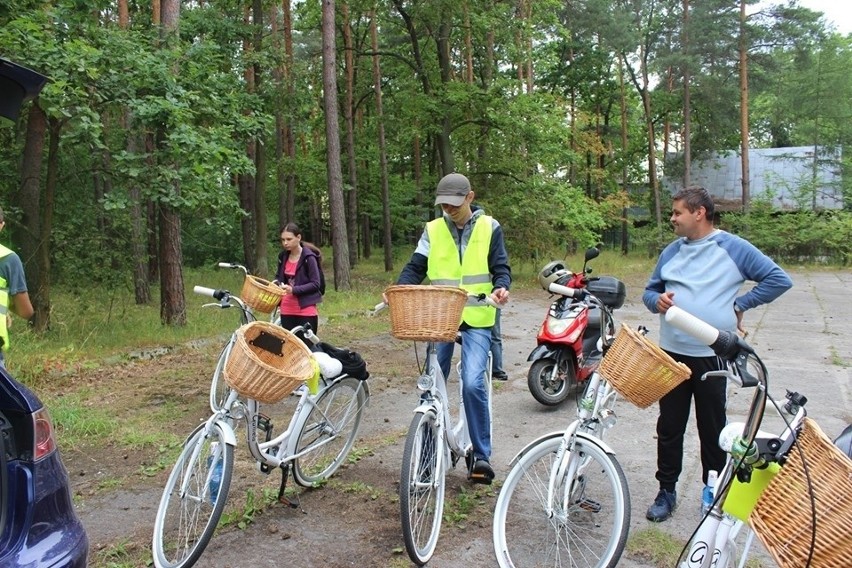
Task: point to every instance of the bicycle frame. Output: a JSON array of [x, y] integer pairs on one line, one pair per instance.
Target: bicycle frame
[[436, 399]]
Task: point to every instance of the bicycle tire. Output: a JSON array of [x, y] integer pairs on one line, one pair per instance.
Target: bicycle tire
[[185, 523], [421, 488], [332, 421], [590, 533], [219, 388]]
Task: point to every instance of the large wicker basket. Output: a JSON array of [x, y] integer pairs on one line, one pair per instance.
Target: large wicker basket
[[639, 370], [425, 313], [261, 294], [267, 362], [783, 516]]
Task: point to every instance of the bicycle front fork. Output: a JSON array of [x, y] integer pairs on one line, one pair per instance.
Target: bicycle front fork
[[710, 547]]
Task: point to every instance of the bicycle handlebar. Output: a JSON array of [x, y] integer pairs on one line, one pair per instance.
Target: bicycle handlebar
[[204, 291], [725, 344]]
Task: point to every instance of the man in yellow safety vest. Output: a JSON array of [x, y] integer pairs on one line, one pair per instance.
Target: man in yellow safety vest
[[465, 248], [13, 292]]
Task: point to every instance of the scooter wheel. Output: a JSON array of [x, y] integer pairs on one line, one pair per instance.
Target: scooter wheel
[[547, 387]]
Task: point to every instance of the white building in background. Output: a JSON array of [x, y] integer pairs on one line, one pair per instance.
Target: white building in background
[[790, 175]]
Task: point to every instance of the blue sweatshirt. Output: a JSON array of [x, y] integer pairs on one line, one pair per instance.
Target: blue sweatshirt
[[706, 275]]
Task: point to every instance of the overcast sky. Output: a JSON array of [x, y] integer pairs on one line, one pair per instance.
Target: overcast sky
[[838, 12]]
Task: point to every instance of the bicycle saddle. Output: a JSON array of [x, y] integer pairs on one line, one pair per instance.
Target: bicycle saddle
[[844, 441]]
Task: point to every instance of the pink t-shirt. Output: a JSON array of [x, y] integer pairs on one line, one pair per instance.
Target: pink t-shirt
[[289, 303]]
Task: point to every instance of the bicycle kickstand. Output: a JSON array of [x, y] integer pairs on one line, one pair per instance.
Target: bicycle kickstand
[[292, 502]]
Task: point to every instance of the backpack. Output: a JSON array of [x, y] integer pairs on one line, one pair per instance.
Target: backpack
[[353, 364]]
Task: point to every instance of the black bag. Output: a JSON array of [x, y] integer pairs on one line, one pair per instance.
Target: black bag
[[353, 364]]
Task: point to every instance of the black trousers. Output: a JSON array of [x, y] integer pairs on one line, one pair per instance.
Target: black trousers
[[710, 401], [289, 322]]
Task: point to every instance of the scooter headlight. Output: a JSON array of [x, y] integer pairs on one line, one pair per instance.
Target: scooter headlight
[[557, 326]]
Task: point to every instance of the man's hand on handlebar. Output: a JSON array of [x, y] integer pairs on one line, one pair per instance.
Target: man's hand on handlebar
[[500, 296]]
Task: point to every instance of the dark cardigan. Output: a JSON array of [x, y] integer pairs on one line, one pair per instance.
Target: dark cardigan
[[306, 282]]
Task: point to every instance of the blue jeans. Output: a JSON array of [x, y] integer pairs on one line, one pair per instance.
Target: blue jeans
[[476, 343], [496, 346]]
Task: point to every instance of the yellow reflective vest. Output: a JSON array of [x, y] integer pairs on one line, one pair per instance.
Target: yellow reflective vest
[[470, 272], [4, 302]]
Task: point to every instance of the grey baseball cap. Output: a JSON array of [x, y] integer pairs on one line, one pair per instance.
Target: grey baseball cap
[[452, 189]]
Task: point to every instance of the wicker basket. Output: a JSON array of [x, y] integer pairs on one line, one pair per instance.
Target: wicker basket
[[261, 294], [425, 313], [782, 516], [267, 362], [639, 370]]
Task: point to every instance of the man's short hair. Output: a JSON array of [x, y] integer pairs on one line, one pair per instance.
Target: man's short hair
[[695, 197]]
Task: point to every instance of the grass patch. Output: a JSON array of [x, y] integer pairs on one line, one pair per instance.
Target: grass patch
[[123, 554], [466, 503], [77, 419], [654, 546]]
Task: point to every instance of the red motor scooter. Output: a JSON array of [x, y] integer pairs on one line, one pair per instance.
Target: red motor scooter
[[571, 338]]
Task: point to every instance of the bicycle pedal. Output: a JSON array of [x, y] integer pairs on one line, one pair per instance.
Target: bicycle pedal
[[264, 424], [588, 505]]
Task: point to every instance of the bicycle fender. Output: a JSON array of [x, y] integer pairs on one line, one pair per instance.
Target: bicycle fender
[[362, 384], [591, 439], [228, 433], [424, 408]]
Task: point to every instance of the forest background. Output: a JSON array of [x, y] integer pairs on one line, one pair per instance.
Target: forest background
[[176, 134]]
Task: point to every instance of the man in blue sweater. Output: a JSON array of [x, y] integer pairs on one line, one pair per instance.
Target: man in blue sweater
[[701, 272]]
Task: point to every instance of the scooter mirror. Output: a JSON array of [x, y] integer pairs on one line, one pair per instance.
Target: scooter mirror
[[591, 253]]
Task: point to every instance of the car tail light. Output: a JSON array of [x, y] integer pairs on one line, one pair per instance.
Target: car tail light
[[45, 442]]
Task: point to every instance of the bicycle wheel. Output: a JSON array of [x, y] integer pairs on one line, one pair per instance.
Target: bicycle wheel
[[590, 532], [219, 388], [187, 515], [421, 488], [329, 431]]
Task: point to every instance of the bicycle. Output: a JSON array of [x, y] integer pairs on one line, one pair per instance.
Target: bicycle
[[436, 440], [565, 500], [754, 456], [318, 438]]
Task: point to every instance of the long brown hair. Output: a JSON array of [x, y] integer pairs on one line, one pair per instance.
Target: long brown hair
[[292, 227]]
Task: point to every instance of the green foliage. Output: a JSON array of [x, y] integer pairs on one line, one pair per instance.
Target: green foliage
[[822, 236]]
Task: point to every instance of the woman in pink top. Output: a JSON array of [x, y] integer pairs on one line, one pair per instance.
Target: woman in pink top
[[298, 275]]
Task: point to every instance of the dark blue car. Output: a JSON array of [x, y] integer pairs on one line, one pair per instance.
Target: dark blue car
[[38, 525]]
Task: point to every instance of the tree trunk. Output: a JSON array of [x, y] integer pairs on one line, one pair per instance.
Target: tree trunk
[[339, 242], [743, 48], [28, 232], [261, 238], [383, 160], [172, 300], [687, 105], [352, 201], [445, 149], [41, 321], [289, 198], [625, 172]]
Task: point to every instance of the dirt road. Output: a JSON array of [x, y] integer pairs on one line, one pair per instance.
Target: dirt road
[[805, 340]]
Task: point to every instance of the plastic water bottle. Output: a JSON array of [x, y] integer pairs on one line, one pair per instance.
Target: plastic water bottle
[[216, 478], [709, 492]]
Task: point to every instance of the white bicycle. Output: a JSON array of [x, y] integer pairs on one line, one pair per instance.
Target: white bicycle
[[565, 501], [436, 441], [314, 444], [803, 522]]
